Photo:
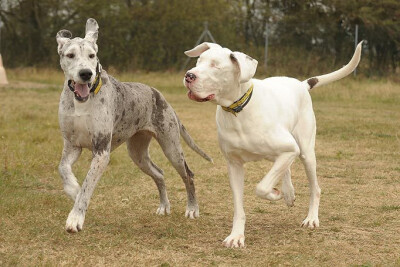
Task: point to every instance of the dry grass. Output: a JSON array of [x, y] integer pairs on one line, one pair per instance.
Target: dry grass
[[358, 166]]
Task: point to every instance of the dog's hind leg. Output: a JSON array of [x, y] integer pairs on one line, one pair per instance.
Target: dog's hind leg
[[310, 166], [289, 150], [173, 151], [138, 147], [69, 156], [305, 134], [288, 189]]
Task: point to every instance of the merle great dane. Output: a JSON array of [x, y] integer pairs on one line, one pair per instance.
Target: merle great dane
[[100, 113]]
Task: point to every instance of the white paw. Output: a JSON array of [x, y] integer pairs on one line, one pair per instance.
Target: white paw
[[74, 222], [272, 195], [311, 222], [289, 196], [234, 241], [164, 209], [72, 190], [192, 212]]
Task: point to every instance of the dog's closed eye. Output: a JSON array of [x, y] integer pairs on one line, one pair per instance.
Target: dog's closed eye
[[214, 64]]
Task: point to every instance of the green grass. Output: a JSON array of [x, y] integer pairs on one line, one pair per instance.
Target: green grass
[[358, 152]]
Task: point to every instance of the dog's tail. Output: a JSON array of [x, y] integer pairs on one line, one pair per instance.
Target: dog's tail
[[188, 139], [336, 75]]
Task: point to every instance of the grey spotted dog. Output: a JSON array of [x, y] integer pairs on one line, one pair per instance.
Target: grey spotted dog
[[100, 113]]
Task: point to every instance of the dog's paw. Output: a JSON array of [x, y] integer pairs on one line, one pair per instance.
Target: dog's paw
[[272, 195], [74, 222], [289, 196], [234, 241], [311, 222], [72, 190], [192, 212], [289, 199], [164, 209]]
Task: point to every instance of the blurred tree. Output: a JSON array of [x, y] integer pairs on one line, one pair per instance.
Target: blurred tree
[[380, 21], [152, 34]]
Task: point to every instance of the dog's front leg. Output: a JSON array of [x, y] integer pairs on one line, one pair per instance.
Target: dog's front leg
[[70, 154], [236, 180], [101, 157], [266, 188]]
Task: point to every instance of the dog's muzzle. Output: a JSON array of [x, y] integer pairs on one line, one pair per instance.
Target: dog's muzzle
[[82, 91]]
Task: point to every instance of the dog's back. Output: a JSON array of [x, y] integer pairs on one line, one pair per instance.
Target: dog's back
[[136, 107]]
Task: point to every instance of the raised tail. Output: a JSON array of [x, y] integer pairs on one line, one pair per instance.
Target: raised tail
[[188, 139], [336, 75]]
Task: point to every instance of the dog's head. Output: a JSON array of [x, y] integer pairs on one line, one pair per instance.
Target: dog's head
[[78, 59], [218, 73]]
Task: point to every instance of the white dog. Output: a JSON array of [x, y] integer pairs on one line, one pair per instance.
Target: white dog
[[260, 119]]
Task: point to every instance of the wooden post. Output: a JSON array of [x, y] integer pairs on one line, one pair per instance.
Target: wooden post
[[3, 77]]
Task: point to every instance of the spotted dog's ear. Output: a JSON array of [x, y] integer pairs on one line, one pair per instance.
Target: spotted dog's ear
[[62, 37], [247, 66], [198, 50], [92, 30]]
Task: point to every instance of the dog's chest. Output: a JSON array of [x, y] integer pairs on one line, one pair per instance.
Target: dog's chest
[[246, 139], [82, 131], [245, 146], [78, 125]]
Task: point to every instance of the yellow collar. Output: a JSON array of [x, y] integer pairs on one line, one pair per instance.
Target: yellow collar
[[239, 104], [97, 84]]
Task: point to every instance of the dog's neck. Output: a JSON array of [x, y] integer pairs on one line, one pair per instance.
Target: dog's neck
[[233, 94]]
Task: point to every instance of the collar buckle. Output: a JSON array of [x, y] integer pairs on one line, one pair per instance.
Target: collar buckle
[[239, 104]]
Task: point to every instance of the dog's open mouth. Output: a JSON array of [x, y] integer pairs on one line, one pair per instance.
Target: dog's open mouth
[[81, 91], [192, 96]]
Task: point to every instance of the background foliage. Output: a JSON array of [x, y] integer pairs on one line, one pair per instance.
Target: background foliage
[[152, 34]]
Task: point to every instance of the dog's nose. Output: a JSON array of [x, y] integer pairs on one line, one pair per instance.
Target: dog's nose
[[190, 77], [85, 74]]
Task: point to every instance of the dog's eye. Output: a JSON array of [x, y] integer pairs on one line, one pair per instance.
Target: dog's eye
[[214, 65], [70, 55], [91, 56]]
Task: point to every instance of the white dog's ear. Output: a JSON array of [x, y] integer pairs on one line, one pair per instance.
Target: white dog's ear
[[247, 66], [198, 50], [62, 37], [92, 30]]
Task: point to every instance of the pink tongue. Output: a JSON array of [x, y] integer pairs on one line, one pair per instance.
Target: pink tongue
[[82, 89]]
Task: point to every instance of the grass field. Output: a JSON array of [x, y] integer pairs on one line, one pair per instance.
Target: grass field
[[358, 154]]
